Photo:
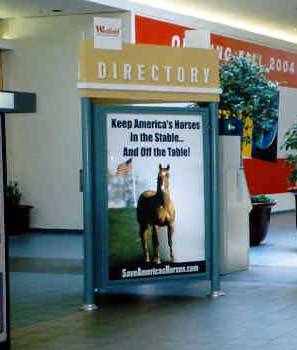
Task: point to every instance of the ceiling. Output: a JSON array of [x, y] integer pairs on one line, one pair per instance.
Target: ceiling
[[272, 18], [34, 8]]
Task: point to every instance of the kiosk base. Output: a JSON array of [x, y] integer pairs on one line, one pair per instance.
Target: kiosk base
[[217, 294], [5, 345], [88, 307]]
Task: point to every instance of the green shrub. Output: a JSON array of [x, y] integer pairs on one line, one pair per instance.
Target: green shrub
[[261, 198], [13, 194]]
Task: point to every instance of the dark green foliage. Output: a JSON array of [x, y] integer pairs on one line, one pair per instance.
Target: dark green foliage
[[13, 194], [248, 93], [262, 198], [290, 143]]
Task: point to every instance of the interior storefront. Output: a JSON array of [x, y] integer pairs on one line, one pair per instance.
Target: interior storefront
[[44, 156]]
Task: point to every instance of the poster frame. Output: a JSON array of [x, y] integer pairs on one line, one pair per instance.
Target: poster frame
[[100, 198]]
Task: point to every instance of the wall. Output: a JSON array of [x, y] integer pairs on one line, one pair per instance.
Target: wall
[[274, 175], [288, 113], [44, 149], [2, 29]]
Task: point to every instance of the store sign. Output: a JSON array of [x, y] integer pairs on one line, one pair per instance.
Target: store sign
[[150, 72], [156, 205], [282, 64], [6, 100], [107, 33]]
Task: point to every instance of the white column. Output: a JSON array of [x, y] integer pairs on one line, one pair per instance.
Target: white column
[[235, 205]]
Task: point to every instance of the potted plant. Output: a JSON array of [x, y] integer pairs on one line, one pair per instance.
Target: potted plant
[[290, 144], [17, 216], [260, 218], [247, 96]]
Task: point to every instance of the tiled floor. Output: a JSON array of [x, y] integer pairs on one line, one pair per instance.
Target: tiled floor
[[54, 246], [259, 310], [280, 246]]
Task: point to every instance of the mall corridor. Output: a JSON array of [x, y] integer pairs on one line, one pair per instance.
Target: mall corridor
[[259, 310]]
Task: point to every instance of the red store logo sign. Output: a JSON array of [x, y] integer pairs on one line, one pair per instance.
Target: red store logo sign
[[107, 31]]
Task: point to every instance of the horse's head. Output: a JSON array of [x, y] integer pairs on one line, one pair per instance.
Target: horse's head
[[163, 178]]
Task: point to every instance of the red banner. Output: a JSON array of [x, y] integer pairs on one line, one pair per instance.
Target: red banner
[[154, 32], [282, 64], [267, 177]]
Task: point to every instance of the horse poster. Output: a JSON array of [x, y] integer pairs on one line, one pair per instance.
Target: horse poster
[[156, 206]]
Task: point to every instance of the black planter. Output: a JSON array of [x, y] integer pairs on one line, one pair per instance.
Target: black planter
[[17, 219], [259, 222]]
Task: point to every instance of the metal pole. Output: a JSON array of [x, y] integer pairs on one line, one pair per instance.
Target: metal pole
[[6, 288], [215, 243], [134, 188], [87, 155]]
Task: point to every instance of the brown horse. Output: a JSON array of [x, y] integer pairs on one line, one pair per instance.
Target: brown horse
[[156, 209]]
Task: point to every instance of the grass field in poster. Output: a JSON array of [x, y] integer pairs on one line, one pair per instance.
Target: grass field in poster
[[123, 227]]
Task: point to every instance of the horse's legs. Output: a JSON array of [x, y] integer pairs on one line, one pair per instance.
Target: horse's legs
[[170, 234], [143, 233], [157, 258]]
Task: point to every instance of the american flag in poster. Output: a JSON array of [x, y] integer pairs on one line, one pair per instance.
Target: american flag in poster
[[124, 168]]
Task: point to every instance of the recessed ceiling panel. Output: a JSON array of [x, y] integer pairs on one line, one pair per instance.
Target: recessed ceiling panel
[[33, 8]]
